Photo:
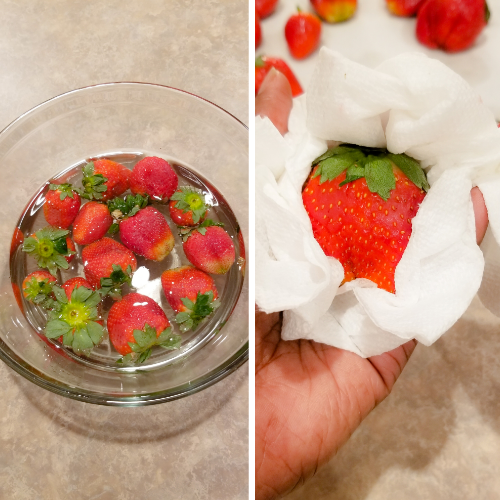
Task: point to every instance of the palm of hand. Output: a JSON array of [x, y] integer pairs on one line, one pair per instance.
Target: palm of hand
[[309, 398]]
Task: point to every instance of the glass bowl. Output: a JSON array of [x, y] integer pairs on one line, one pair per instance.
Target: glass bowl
[[123, 121]]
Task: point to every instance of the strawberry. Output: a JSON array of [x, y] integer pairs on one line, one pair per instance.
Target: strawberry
[[361, 202], [258, 31], [136, 324], [37, 288], [451, 25], [191, 293], [69, 285], [104, 179], [265, 8], [144, 230], [107, 259], [262, 66], [92, 223], [17, 241], [334, 11], [61, 205], [75, 317], [188, 206], [302, 33], [209, 247], [154, 177], [51, 248], [404, 8]]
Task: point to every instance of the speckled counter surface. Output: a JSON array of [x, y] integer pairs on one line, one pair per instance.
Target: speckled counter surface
[[55, 448]]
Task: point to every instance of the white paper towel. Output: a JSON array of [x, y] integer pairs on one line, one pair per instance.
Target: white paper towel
[[409, 104]]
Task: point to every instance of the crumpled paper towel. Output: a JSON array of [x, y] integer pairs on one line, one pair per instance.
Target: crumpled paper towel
[[410, 104]]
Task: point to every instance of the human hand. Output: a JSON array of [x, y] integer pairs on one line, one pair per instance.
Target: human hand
[[310, 397]]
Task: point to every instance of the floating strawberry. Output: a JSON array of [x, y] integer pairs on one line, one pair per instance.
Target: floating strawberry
[[69, 285], [136, 324], [334, 11], [105, 258], [265, 8], [76, 318], [262, 66], [302, 33], [404, 8], [51, 248], [451, 25], [143, 229], [154, 177], [37, 288], [209, 247], [361, 202], [61, 205], [104, 179], [188, 206], [191, 293], [92, 223], [258, 31]]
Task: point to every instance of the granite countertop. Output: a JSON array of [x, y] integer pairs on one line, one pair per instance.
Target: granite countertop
[[56, 448]]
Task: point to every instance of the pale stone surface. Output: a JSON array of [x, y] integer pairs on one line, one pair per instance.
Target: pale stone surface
[[55, 448]]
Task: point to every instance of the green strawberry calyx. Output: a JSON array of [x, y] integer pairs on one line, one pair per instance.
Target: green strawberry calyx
[[186, 232], [65, 190], [259, 62], [121, 208], [197, 311], [192, 200], [373, 164], [75, 319], [49, 248], [93, 184], [39, 292], [146, 339], [112, 284]]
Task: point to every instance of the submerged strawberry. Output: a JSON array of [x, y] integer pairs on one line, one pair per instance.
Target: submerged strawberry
[[334, 11], [154, 177], [302, 33], [51, 248], [104, 179], [61, 205], [191, 293], [136, 324], [262, 66], [404, 8], [361, 202], [209, 247], [37, 288], [188, 206], [92, 223]]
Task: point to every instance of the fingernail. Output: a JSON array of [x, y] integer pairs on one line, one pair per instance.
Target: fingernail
[[269, 79]]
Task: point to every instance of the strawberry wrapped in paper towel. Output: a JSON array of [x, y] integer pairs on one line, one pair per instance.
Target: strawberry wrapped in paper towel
[[411, 105]]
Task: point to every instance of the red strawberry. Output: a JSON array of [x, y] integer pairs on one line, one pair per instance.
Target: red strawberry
[[191, 293], [61, 205], [69, 285], [209, 248], [334, 11], [404, 8], [262, 66], [302, 33], [37, 288], [188, 206], [104, 179], [144, 230], [136, 324], [258, 31], [92, 223], [361, 202], [265, 8], [106, 258], [154, 177], [17, 241], [51, 247], [451, 25]]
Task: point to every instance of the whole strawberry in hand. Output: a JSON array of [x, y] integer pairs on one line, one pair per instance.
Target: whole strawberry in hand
[[61, 205], [361, 202], [155, 178], [451, 25], [302, 33], [262, 66], [136, 324], [404, 8], [188, 206], [191, 293], [334, 11]]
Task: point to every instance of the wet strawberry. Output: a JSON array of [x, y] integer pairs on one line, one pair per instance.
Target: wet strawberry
[[51, 248], [107, 258], [69, 285], [262, 66], [104, 179], [61, 205], [265, 8], [136, 324], [37, 288], [451, 25], [188, 206], [191, 293], [334, 11], [302, 33], [209, 248], [17, 241], [154, 177], [361, 202], [404, 8], [92, 223]]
